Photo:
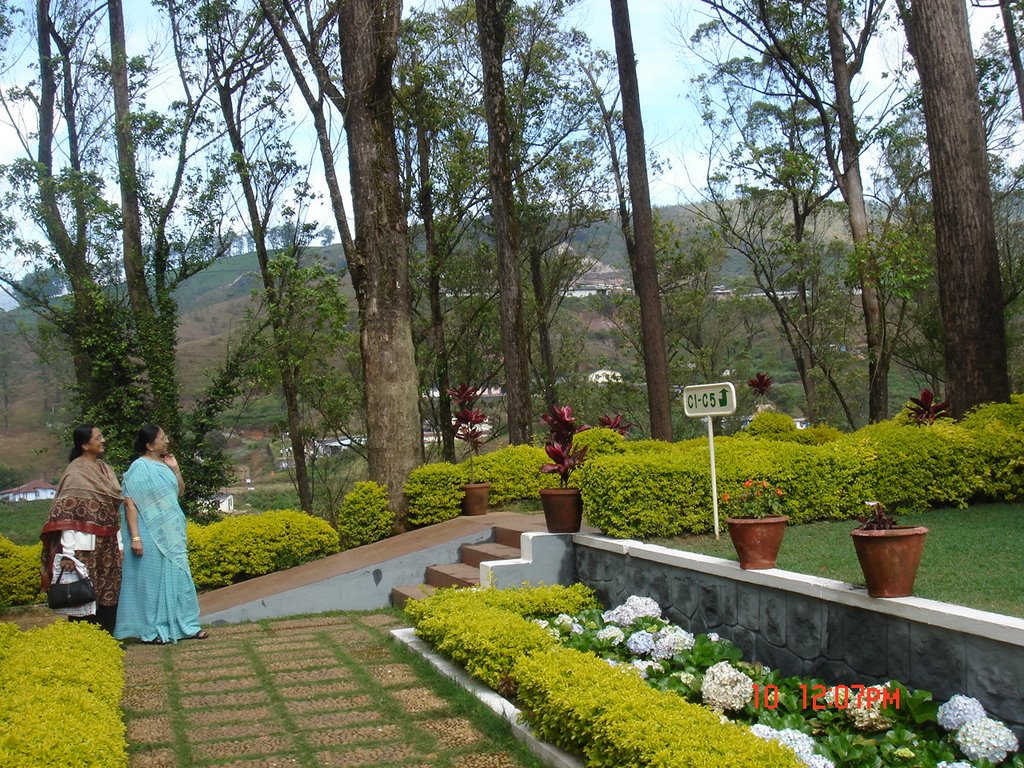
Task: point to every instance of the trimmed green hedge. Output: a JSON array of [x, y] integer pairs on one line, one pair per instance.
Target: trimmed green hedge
[[19, 573], [912, 468], [613, 718], [576, 700], [60, 694], [434, 493], [364, 516], [240, 548], [647, 488]]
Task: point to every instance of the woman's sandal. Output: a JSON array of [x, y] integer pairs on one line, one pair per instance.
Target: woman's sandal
[[202, 634]]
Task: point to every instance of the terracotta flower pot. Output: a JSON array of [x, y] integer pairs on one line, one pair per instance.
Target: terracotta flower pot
[[474, 502], [757, 540], [889, 558], [563, 509]]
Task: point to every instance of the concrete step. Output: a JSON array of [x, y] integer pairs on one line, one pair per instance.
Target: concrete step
[[509, 537], [405, 592], [474, 554], [452, 575]]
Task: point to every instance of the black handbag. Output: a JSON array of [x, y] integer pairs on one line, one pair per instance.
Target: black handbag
[[69, 594]]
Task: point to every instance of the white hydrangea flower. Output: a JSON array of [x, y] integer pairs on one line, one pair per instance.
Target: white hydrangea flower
[[634, 608], [640, 643], [725, 687], [685, 678], [714, 637], [576, 628], [645, 666], [959, 711], [611, 634], [542, 623], [985, 738], [957, 764], [670, 641], [817, 761], [863, 707], [563, 621]]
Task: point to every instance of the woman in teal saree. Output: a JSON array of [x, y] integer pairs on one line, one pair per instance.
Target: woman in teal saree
[[158, 597]]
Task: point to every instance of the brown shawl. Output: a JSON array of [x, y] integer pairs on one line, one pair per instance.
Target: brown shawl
[[88, 500]]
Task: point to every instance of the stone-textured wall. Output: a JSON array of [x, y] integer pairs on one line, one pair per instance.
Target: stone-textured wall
[[819, 628]]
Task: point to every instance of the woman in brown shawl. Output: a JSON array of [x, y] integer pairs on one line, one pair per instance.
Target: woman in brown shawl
[[84, 522]]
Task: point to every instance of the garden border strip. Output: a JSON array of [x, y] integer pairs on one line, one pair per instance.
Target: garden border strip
[[550, 754]]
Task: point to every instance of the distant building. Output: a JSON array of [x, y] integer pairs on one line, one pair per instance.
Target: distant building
[[35, 490], [599, 279], [604, 376], [225, 503]]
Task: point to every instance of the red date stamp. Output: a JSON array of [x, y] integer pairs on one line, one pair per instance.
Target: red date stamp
[[842, 696]]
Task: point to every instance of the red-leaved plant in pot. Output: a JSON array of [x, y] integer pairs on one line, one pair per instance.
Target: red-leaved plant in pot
[[889, 554], [468, 422], [563, 507]]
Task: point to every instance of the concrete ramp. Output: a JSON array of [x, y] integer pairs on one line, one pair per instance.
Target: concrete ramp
[[357, 579]]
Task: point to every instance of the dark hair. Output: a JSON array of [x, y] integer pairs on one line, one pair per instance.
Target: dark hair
[[81, 436], [146, 436]]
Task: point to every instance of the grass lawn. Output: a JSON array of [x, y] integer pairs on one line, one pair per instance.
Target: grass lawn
[[21, 521], [972, 557]]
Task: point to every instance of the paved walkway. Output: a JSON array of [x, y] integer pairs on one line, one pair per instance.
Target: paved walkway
[[331, 690]]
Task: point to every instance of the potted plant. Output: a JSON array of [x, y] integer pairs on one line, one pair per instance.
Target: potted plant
[[889, 554], [468, 422], [756, 520], [563, 507]]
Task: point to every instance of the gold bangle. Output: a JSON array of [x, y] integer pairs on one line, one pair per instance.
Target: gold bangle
[[136, 538]]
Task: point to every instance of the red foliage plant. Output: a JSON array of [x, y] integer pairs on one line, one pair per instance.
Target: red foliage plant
[[559, 448]]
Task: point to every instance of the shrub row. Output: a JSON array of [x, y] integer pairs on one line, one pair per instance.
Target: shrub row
[[647, 488], [240, 548], [646, 493], [573, 699], [19, 573], [60, 694]]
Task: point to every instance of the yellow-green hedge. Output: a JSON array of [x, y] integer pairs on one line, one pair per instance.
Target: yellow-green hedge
[[19, 573], [365, 516], [577, 700], [434, 493], [240, 548], [60, 693], [998, 432], [610, 715]]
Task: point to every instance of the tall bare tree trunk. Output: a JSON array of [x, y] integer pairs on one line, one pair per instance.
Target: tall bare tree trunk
[[380, 269], [438, 342], [1013, 48], [852, 187], [643, 265], [491, 37], [155, 330], [970, 291]]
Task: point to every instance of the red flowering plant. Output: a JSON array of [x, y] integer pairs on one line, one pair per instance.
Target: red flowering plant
[[468, 420], [559, 448], [755, 499]]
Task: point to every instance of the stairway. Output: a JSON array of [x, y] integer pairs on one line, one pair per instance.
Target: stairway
[[465, 573]]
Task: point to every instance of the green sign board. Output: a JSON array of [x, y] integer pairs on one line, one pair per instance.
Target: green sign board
[[709, 400]]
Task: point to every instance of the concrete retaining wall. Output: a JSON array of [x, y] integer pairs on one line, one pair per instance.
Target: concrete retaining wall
[[814, 627]]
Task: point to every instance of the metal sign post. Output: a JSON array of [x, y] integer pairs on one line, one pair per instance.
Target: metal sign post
[[705, 401]]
